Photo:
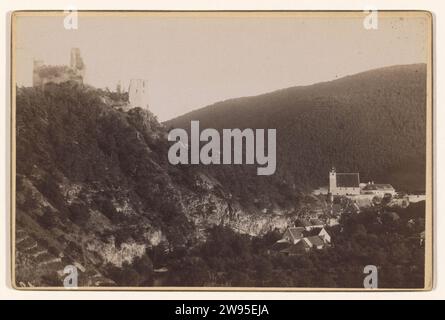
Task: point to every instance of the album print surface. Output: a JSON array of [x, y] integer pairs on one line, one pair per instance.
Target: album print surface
[[221, 150]]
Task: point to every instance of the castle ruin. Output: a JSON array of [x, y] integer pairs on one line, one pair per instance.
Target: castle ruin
[[43, 74], [138, 93]]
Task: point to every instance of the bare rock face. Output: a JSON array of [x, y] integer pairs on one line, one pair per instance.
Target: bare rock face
[[213, 206], [110, 253]]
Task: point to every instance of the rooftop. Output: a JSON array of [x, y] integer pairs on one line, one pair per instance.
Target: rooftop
[[315, 241], [348, 180], [378, 186], [296, 232]]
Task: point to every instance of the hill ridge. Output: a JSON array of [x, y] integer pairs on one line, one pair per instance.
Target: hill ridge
[[297, 87]]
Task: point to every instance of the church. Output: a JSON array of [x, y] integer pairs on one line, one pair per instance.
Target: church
[[343, 184], [348, 184]]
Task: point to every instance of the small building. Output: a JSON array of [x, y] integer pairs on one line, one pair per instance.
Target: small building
[[319, 232], [296, 240], [315, 242], [324, 235], [293, 235], [379, 189]]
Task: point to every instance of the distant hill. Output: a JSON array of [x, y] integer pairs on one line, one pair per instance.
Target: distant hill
[[372, 122]]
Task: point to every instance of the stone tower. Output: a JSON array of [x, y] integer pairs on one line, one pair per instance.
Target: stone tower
[[138, 93]]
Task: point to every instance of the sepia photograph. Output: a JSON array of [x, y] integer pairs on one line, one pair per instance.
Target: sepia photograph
[[222, 151]]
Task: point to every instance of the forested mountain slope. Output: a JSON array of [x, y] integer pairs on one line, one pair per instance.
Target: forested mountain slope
[[372, 123]]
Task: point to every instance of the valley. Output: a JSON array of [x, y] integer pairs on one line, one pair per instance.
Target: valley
[[95, 188]]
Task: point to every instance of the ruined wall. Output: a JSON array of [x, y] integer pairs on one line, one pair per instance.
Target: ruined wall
[[43, 74]]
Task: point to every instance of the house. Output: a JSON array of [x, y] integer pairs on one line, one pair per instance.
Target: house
[[379, 189], [324, 235], [297, 240], [315, 242], [293, 235], [319, 232]]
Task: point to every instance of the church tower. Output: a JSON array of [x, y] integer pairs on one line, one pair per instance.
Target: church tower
[[332, 180]]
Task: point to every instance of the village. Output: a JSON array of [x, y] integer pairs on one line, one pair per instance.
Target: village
[[344, 193]]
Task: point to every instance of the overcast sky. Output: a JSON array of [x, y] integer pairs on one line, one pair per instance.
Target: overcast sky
[[192, 61]]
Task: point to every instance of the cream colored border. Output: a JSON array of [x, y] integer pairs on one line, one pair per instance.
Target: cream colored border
[[242, 14]]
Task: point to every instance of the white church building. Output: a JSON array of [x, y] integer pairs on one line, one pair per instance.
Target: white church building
[[348, 184]]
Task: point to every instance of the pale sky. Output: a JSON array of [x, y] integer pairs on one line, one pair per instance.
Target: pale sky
[[192, 61]]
